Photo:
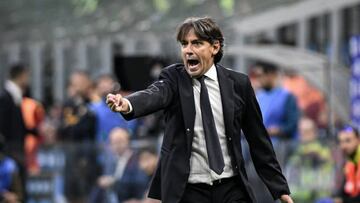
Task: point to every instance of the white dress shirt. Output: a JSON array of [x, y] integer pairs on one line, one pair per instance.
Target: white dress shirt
[[14, 91], [200, 171]]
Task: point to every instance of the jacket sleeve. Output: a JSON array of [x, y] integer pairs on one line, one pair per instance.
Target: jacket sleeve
[[155, 97], [4, 112], [261, 148]]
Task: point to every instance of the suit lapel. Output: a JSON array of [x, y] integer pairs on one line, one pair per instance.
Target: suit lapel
[[227, 98], [187, 105]]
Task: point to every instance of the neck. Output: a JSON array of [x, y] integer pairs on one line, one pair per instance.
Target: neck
[[16, 83]]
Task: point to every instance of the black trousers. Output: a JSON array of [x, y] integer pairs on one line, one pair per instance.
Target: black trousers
[[229, 190]]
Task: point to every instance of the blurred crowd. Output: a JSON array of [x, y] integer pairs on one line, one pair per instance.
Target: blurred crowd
[[76, 151], [81, 151]]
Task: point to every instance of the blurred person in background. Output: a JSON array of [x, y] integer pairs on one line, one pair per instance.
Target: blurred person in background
[[310, 100], [201, 153], [78, 122], [122, 177], [12, 126], [310, 169], [349, 141], [11, 190], [77, 130], [279, 109], [51, 159], [106, 120], [33, 114], [148, 160]]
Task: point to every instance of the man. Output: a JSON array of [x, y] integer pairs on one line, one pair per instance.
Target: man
[[77, 128], [106, 120], [122, 177], [278, 106], [349, 143], [279, 110], [78, 122], [201, 159], [12, 126], [310, 169], [148, 159]]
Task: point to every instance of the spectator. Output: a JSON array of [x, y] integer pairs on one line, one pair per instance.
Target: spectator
[[310, 168], [33, 114], [12, 127], [349, 143], [78, 122], [51, 159], [280, 116], [148, 159], [106, 119], [279, 109], [11, 190], [122, 178], [310, 100], [78, 129], [279, 106]]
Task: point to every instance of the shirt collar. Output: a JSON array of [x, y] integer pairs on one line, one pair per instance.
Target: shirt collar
[[211, 73], [14, 91]]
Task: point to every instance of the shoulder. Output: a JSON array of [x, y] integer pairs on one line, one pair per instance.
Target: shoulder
[[173, 68], [5, 97], [4, 94], [233, 73], [172, 72], [238, 77], [287, 93]]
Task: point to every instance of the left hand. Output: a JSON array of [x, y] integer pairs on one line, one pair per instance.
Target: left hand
[[286, 199]]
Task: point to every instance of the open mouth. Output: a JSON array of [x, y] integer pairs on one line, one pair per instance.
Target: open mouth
[[193, 62]]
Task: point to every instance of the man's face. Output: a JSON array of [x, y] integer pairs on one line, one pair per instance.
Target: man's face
[[119, 141], [105, 86], [80, 84], [268, 80], [307, 130], [24, 80], [198, 55], [348, 142]]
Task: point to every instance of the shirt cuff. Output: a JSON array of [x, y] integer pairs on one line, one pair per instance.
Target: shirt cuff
[[130, 106]]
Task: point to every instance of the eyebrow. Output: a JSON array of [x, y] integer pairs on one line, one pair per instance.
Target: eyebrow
[[192, 41], [197, 40]]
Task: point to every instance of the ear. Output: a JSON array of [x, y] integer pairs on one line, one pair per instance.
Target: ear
[[216, 46]]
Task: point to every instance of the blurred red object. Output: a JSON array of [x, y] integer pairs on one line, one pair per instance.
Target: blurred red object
[[33, 114]]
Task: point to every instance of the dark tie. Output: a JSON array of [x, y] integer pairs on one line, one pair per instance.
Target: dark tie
[[216, 160]]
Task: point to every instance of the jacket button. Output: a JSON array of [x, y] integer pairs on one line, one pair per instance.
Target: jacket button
[[187, 130], [229, 139]]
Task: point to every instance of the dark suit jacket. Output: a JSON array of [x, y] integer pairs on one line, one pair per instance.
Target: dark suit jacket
[[173, 92], [12, 126]]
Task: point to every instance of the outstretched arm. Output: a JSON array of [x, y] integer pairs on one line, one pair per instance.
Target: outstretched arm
[[155, 97]]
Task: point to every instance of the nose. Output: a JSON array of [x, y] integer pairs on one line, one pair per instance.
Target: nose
[[188, 51]]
